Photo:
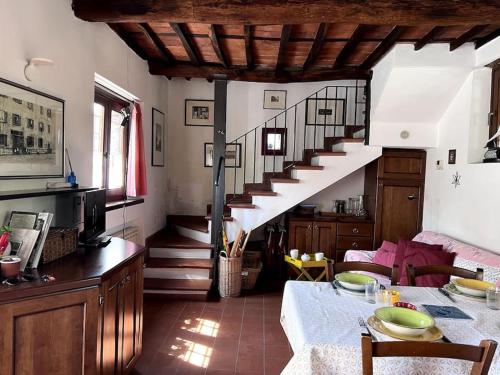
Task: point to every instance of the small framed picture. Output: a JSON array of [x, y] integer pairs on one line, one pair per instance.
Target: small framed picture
[[199, 112], [273, 141], [158, 139], [452, 156], [233, 155], [274, 99], [324, 111]]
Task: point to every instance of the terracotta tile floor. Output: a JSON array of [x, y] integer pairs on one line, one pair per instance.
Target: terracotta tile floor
[[233, 336]]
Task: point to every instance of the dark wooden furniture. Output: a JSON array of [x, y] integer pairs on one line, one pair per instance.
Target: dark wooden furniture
[[86, 321], [481, 355], [394, 184], [442, 269], [331, 235], [495, 99], [339, 267]]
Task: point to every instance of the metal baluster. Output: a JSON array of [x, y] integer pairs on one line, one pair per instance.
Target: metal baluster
[[335, 121], [245, 165], [324, 123], [274, 148], [254, 151], [294, 130], [235, 159], [284, 139], [305, 126], [315, 121]]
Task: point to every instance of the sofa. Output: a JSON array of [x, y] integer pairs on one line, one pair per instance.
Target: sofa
[[468, 256]]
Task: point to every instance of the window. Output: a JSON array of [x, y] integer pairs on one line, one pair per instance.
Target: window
[[495, 99], [30, 123], [49, 113], [30, 105], [16, 120], [40, 142], [41, 110], [3, 117], [40, 126], [30, 141], [109, 144], [48, 128], [3, 139], [273, 141]]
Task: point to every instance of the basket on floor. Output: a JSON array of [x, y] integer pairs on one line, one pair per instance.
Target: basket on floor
[[249, 277], [229, 276], [252, 259]]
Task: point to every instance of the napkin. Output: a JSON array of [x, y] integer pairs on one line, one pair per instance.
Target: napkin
[[447, 312]]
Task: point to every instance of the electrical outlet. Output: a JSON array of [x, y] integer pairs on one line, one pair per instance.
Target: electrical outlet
[[439, 165]]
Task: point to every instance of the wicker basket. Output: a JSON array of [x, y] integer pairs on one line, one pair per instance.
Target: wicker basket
[[229, 276], [59, 242], [252, 259], [249, 277]]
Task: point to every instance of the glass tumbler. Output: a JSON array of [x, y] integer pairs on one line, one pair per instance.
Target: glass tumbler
[[493, 298], [371, 290]]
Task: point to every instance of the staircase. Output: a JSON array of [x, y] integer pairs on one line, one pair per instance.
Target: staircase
[[323, 141]]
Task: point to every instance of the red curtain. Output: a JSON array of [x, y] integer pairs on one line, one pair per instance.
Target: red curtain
[[136, 177]]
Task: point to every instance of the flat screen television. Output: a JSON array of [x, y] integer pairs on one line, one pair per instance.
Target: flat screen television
[[94, 212]]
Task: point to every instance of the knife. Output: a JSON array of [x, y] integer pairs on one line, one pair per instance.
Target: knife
[[444, 292], [335, 288]]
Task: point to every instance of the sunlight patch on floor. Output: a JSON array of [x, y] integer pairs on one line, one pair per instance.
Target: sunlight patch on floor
[[193, 353]]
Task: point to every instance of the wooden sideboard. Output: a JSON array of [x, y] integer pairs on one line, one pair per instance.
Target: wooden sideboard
[[86, 321], [331, 235]]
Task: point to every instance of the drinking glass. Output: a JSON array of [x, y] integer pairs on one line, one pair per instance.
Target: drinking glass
[[493, 298], [371, 289]]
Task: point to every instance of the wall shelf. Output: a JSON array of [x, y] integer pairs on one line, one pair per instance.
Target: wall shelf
[[32, 193]]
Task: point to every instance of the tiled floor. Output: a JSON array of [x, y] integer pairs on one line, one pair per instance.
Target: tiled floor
[[234, 336]]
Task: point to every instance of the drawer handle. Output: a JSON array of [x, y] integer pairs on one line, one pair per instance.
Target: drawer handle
[[309, 227], [316, 227], [355, 230], [355, 245], [411, 197]]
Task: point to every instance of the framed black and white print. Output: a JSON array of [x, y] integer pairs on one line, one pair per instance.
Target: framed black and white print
[[158, 139], [274, 99], [233, 155], [325, 111], [27, 148], [199, 112], [452, 156]]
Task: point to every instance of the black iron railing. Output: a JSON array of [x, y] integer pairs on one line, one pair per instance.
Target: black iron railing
[[293, 136]]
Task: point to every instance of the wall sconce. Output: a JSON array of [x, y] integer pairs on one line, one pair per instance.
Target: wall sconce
[[34, 62]]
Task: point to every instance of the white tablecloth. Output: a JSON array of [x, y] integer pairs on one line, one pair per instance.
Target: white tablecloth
[[325, 336]]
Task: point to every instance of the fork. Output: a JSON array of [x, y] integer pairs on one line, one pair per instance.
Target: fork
[[362, 324]]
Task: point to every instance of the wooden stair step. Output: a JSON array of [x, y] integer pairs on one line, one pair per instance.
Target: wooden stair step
[[348, 140], [330, 153], [241, 205], [198, 223], [179, 263], [285, 180], [308, 167], [178, 284], [262, 193], [165, 239], [225, 218]]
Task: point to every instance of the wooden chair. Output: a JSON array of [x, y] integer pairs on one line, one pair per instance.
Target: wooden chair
[[442, 269], [481, 355], [339, 267]]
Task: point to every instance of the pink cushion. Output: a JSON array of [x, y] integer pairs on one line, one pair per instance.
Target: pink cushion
[[386, 254], [404, 244], [420, 256]]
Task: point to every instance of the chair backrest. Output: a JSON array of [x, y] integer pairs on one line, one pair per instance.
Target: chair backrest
[[481, 355], [389, 272], [442, 269]]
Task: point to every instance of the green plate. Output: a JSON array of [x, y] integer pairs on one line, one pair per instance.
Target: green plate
[[403, 317], [353, 281]]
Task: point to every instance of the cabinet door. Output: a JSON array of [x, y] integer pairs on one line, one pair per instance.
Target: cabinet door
[[400, 214], [131, 316], [324, 238], [55, 335], [300, 236]]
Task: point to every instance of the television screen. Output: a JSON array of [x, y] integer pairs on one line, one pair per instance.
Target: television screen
[[94, 214]]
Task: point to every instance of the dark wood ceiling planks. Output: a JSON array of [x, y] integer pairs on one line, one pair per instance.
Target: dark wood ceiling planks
[[179, 40]]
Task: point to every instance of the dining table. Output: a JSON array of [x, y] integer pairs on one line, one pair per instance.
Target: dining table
[[322, 327]]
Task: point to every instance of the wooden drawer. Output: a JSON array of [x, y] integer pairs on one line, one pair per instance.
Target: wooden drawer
[[355, 229], [354, 243]]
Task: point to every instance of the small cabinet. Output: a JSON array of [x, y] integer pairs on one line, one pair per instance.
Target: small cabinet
[[54, 334], [121, 319], [300, 235], [312, 236]]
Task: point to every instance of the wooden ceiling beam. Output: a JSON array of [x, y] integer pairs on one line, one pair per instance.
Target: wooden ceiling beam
[[350, 46], [466, 37], [188, 46], [134, 46], [214, 38], [321, 33], [153, 38], [429, 37], [488, 38], [248, 30], [261, 12], [384, 47], [242, 74], [286, 30]]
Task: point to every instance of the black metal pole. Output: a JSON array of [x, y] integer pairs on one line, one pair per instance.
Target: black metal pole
[[219, 179]]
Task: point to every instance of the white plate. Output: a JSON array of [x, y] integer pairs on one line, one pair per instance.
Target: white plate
[[453, 290], [359, 293]]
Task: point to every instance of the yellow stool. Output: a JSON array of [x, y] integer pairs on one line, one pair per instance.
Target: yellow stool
[[300, 267]]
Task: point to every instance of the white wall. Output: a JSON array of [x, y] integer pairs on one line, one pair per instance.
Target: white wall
[[34, 28], [470, 211], [189, 183]]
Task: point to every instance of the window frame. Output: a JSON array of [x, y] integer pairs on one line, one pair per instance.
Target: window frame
[[110, 103]]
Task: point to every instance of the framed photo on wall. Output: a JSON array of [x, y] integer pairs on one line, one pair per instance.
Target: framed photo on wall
[[199, 112], [31, 133], [274, 99], [273, 141], [233, 155], [325, 111], [158, 139]]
